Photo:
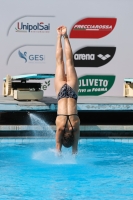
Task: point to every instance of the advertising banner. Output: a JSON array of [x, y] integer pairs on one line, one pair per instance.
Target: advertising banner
[[100, 35]]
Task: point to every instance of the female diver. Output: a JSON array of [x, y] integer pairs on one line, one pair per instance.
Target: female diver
[[66, 88]]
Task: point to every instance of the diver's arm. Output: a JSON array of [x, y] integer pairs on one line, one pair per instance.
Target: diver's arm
[[75, 144], [58, 140]]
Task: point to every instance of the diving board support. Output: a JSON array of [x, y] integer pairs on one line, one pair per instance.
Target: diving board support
[[19, 89], [28, 95], [128, 87]]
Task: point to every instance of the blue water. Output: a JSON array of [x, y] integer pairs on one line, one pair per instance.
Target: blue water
[[102, 170]]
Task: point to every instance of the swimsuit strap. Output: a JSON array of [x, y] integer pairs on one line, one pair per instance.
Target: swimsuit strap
[[68, 119], [66, 115], [73, 114]]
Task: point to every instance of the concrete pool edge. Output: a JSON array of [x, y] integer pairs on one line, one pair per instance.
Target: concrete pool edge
[[30, 140], [52, 138], [99, 116], [84, 103], [53, 127]]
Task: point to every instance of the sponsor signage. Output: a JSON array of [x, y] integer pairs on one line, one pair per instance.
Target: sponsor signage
[[31, 57], [93, 28], [27, 27], [45, 85], [95, 85], [32, 25], [93, 56]]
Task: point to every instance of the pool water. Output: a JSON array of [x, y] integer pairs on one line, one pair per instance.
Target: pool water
[[31, 170]]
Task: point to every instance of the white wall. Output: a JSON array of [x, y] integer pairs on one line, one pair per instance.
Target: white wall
[[66, 13]]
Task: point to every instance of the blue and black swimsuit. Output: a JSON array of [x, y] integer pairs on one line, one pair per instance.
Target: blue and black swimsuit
[[66, 92]]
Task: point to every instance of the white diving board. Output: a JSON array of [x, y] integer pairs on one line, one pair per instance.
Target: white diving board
[[129, 80], [31, 76]]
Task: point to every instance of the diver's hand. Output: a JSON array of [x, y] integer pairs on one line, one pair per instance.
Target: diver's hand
[[64, 30], [59, 30]]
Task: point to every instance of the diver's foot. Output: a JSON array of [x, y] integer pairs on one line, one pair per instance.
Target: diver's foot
[[59, 29], [64, 32]]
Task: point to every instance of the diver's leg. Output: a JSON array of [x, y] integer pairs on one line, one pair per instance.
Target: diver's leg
[[59, 72], [72, 79]]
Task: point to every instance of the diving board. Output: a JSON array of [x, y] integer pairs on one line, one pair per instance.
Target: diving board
[[128, 80], [31, 77]]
